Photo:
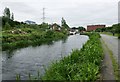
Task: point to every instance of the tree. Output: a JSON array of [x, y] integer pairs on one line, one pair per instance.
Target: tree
[[98, 30], [12, 17], [44, 26], [64, 24], [7, 12], [116, 28], [81, 28]]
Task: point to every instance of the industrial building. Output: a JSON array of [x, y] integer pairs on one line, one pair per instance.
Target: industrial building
[[94, 27]]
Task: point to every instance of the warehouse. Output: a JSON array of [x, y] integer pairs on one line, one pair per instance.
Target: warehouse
[[94, 27]]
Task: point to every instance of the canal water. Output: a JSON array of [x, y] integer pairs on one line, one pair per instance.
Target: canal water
[[31, 59]]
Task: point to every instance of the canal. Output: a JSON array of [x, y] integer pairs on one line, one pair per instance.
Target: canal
[[31, 59]]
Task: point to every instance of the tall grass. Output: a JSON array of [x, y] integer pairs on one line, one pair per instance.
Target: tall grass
[[82, 64], [32, 37]]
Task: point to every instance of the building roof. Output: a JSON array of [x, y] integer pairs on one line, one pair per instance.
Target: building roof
[[30, 22]]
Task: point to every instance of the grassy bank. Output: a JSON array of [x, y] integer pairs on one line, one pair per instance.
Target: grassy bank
[[18, 38], [109, 33], [82, 64]]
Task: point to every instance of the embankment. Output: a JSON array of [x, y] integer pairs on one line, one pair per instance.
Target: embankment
[[82, 64]]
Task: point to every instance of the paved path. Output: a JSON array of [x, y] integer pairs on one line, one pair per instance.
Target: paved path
[[107, 71], [112, 43]]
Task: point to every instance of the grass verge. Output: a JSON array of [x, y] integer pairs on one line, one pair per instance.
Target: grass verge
[[82, 64], [108, 33]]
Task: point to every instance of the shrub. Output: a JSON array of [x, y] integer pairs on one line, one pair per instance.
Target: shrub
[[7, 26]]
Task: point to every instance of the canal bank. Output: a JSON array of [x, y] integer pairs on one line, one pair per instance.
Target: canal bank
[[24, 37], [31, 59], [83, 64]]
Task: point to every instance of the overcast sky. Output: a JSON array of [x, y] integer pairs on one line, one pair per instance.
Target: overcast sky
[[75, 12]]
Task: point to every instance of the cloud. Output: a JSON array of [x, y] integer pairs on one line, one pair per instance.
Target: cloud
[[76, 12]]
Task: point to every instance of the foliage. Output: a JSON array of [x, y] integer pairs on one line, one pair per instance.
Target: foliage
[[12, 17], [9, 21], [114, 28], [44, 26], [82, 64], [81, 28], [23, 37], [18, 34], [118, 36], [7, 12], [7, 26], [64, 24]]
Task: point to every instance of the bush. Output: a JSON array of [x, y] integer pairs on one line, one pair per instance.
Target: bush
[[118, 36], [7, 26]]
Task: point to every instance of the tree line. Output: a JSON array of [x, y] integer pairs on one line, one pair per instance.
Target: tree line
[[115, 28], [8, 20], [9, 23]]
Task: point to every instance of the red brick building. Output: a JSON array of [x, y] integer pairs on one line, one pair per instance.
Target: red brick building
[[94, 27]]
